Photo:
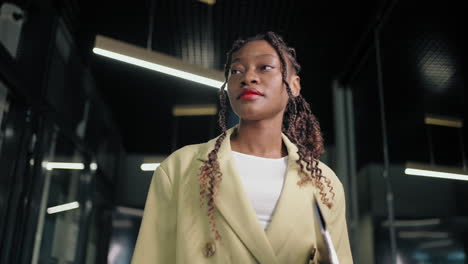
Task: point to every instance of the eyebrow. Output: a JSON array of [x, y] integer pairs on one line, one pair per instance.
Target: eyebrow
[[262, 55]]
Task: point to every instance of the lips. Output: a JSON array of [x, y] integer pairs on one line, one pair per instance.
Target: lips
[[249, 92]]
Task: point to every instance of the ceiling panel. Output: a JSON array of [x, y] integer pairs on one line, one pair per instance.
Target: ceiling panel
[[324, 35]]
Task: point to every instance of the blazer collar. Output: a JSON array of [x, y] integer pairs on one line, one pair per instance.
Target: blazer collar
[[225, 148], [235, 206]]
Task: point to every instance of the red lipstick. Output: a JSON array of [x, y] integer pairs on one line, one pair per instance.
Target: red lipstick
[[249, 93]]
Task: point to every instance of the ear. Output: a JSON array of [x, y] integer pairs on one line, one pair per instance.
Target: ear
[[295, 83]]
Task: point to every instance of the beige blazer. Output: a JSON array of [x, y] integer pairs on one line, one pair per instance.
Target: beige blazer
[[175, 228]]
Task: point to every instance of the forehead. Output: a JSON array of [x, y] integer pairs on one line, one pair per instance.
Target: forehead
[[253, 49]]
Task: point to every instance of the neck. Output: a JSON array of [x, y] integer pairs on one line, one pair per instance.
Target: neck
[[259, 138]]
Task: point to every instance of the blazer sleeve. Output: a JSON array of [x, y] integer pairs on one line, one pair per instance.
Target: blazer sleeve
[[338, 227], [157, 235]]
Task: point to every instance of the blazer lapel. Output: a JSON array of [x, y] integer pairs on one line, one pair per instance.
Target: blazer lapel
[[290, 207], [234, 205]]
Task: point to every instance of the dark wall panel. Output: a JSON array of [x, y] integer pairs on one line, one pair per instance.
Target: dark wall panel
[[421, 70]]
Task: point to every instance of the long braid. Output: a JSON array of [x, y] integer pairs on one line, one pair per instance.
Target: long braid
[[299, 124], [210, 175]]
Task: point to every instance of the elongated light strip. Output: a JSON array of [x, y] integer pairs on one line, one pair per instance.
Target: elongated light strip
[[446, 122], [436, 174], [436, 244], [413, 223], [422, 234], [149, 166], [427, 171], [63, 207], [63, 165], [194, 110], [129, 211], [159, 68]]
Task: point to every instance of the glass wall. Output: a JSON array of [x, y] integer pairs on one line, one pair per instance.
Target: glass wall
[[16, 141], [63, 203], [407, 109], [59, 149]]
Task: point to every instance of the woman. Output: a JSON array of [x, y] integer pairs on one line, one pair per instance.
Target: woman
[[247, 196]]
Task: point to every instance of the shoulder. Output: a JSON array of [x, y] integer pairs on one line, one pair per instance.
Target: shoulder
[[178, 163], [181, 157], [189, 153]]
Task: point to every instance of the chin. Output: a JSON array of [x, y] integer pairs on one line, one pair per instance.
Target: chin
[[252, 117]]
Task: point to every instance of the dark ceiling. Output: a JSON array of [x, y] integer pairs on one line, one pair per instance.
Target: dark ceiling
[[324, 33]]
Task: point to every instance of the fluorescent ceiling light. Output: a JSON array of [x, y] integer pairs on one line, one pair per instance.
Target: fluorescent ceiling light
[[63, 207], [435, 171], [436, 244], [124, 223], [149, 166], [157, 61], [63, 165], [129, 211], [422, 234], [208, 2], [413, 223], [443, 121], [194, 110]]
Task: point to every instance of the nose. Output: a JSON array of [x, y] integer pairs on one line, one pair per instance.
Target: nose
[[250, 77]]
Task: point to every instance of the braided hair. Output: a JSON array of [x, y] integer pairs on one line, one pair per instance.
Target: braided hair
[[299, 125]]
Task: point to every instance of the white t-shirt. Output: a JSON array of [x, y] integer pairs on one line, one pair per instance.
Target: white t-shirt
[[263, 180]]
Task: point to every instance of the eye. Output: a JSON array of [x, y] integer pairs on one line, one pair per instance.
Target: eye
[[267, 67], [234, 71]]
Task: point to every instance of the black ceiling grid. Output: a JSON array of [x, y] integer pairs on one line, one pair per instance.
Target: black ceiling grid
[[323, 35]]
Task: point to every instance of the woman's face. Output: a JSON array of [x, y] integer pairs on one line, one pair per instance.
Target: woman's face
[[255, 85]]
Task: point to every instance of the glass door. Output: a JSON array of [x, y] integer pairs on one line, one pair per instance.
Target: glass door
[[65, 203]]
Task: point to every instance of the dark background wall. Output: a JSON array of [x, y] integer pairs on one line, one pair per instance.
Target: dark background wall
[[64, 102]]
